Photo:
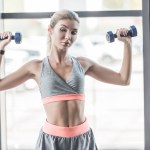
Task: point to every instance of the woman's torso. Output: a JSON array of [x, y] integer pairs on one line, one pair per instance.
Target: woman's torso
[[66, 112]]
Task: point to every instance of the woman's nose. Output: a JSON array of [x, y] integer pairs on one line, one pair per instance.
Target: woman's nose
[[68, 35]]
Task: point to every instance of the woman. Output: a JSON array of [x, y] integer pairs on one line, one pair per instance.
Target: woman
[[60, 78]]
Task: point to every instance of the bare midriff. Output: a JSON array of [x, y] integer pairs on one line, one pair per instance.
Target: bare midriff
[[65, 113]]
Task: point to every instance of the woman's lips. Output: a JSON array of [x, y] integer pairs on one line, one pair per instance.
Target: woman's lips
[[65, 43]]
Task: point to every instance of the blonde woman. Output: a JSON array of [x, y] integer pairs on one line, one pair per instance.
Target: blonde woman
[[60, 78]]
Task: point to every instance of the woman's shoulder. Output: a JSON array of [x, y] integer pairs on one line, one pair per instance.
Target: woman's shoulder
[[35, 62], [85, 62], [34, 65]]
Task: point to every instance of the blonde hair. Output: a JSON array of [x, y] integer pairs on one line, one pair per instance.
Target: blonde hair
[[57, 16]]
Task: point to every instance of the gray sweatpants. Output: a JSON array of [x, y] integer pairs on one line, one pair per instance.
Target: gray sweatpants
[[84, 141]]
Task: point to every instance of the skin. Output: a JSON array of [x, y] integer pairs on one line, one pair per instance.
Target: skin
[[63, 35]]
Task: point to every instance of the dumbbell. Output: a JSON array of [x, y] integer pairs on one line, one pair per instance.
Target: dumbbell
[[110, 37], [17, 37]]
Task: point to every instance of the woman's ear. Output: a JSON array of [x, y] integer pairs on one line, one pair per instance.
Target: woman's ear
[[49, 28]]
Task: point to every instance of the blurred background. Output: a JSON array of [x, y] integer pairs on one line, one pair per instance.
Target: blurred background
[[115, 113]]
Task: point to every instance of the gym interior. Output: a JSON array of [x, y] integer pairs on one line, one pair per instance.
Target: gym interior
[[118, 115]]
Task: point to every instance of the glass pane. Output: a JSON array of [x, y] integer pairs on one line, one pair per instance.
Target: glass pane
[[115, 113], [76, 5]]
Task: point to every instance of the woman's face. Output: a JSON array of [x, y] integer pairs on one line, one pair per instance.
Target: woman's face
[[64, 33]]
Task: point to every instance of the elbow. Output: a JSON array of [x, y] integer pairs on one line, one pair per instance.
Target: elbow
[[125, 82]]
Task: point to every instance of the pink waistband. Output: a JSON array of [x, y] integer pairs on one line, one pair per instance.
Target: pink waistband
[[66, 131], [63, 97]]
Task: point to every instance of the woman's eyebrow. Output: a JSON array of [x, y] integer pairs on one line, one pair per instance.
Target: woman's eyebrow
[[67, 27]]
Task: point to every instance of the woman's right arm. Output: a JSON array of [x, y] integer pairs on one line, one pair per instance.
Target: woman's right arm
[[16, 78], [27, 71]]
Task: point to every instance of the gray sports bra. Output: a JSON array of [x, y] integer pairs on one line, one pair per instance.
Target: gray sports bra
[[54, 88]]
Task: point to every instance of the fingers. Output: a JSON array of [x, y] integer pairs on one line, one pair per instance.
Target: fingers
[[122, 32], [6, 35], [122, 35]]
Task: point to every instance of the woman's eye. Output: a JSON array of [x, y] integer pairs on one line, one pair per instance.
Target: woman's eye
[[62, 29], [74, 32]]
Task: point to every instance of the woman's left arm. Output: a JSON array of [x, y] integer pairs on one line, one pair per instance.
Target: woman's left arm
[[109, 76]]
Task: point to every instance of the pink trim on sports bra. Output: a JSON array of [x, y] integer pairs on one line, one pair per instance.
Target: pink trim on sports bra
[[64, 97]]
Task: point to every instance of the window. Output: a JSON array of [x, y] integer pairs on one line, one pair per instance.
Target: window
[[116, 113]]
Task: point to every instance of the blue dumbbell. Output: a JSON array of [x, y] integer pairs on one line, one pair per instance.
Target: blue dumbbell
[[17, 37], [110, 37]]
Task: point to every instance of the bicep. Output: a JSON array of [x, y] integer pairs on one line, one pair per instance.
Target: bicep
[[16, 78], [104, 74]]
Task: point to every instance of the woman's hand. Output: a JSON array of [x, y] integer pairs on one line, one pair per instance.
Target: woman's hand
[[5, 42], [122, 35]]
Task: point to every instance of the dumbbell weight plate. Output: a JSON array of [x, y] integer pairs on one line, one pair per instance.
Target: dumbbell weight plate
[[17, 37], [133, 31], [110, 37]]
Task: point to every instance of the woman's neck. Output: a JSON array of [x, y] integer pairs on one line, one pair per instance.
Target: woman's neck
[[59, 57]]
